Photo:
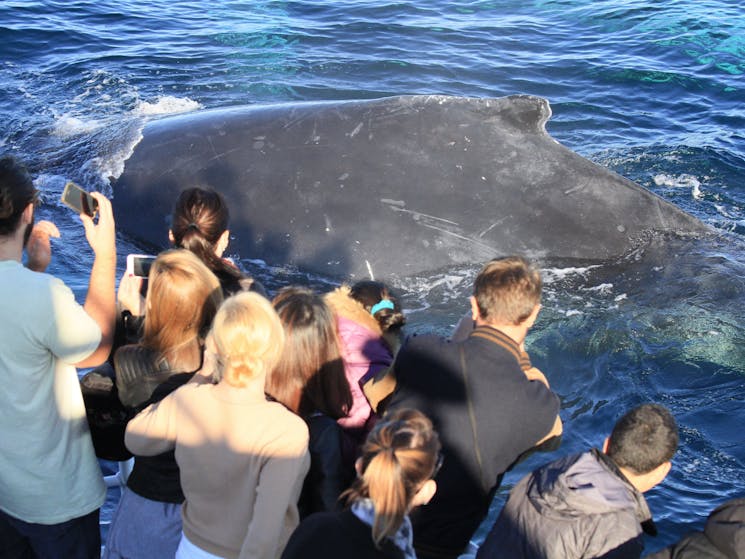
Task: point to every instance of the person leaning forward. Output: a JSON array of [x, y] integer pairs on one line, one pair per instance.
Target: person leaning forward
[[590, 505], [485, 399]]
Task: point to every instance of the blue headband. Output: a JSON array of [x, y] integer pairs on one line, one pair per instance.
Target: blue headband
[[383, 304]]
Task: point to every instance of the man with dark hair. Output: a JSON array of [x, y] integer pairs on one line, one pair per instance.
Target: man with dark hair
[[487, 402], [50, 483], [591, 504]]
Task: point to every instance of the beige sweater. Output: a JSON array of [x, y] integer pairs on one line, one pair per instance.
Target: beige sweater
[[242, 459]]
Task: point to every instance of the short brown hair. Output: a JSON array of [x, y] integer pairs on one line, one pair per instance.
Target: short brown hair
[[507, 290]]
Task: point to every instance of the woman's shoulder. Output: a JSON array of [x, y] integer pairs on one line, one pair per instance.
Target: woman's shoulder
[[135, 362], [279, 418]]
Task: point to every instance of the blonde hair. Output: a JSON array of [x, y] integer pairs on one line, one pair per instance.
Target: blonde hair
[[248, 337], [398, 457], [182, 299], [507, 290]]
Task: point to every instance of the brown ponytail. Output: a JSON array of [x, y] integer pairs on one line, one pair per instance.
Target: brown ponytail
[[399, 456], [199, 218]]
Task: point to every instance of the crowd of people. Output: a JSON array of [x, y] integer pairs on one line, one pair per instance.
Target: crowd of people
[[302, 425]]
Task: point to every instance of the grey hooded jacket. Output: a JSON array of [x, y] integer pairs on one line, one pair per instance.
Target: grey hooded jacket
[[579, 506]]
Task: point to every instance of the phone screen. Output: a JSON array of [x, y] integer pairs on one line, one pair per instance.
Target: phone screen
[[79, 200], [139, 264]]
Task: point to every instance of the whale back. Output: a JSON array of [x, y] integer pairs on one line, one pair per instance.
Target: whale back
[[399, 185]]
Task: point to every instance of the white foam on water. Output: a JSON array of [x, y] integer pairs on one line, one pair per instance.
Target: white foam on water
[[680, 181], [166, 105], [46, 182], [723, 211], [67, 126], [111, 165], [602, 289], [551, 275]]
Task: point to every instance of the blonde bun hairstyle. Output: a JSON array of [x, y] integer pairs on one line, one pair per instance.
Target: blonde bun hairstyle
[[248, 338]]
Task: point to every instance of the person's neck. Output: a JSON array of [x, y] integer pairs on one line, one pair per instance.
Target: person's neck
[[252, 386], [516, 333], [11, 247], [642, 482]]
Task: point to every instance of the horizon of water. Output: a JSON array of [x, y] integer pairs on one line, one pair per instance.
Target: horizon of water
[[652, 90]]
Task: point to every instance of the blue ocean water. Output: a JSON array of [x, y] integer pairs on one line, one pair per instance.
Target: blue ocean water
[[652, 90]]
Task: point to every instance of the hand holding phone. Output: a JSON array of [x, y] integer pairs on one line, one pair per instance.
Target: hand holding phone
[[139, 265], [79, 200], [130, 296]]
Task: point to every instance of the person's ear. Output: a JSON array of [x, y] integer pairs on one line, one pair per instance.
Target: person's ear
[[530, 320], [425, 493], [171, 237], [358, 467], [606, 443], [28, 214], [222, 243], [475, 314], [659, 473]]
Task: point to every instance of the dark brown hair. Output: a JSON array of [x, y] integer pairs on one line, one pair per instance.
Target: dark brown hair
[[199, 218], [643, 439], [17, 191], [310, 375], [369, 293]]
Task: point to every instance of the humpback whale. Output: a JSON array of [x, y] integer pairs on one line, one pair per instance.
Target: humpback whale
[[394, 186]]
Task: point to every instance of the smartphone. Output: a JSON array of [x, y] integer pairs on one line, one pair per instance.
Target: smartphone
[[79, 200], [139, 264]]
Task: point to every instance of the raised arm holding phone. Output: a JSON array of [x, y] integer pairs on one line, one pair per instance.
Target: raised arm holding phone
[[50, 481]]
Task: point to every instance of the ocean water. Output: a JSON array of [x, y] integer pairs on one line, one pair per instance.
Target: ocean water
[[652, 90]]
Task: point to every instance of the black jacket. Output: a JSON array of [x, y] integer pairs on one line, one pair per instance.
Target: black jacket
[[723, 536], [336, 535], [510, 414], [331, 466], [142, 379]]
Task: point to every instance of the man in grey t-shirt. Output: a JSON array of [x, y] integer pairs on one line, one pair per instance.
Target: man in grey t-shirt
[[51, 486]]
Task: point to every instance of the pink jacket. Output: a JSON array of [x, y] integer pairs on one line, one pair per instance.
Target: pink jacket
[[363, 349]]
